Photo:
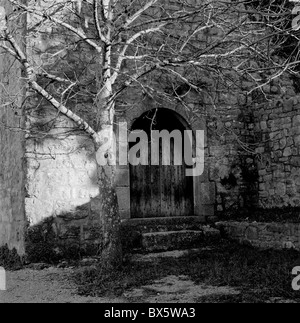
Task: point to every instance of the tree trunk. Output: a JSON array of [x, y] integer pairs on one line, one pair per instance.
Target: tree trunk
[[108, 202], [111, 253]]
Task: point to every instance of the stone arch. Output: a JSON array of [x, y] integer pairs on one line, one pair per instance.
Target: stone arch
[[203, 189]]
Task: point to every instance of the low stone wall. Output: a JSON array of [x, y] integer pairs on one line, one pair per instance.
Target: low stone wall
[[263, 235]]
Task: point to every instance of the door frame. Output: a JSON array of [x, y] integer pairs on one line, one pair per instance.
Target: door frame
[[204, 189], [155, 205]]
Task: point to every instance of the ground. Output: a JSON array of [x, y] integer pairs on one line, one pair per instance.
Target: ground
[[218, 272], [54, 285]]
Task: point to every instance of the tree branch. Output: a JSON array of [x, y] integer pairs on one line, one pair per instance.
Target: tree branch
[[131, 19], [122, 56], [97, 24], [77, 31], [18, 53]]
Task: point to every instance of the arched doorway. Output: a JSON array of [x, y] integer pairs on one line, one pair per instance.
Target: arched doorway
[[161, 191]]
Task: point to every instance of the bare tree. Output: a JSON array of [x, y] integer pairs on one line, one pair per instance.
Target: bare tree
[[187, 44]]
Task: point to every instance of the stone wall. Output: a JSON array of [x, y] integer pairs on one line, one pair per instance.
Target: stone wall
[[12, 194], [230, 163], [61, 172], [254, 147], [62, 182], [263, 235], [277, 126], [245, 166], [230, 178], [204, 189]]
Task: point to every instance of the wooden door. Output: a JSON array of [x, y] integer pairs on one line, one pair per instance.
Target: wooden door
[[160, 191]]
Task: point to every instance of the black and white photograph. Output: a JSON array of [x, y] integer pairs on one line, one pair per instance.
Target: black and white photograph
[[149, 154]]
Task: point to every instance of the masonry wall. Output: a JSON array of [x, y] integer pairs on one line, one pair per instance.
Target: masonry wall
[[61, 180], [230, 163], [263, 235], [230, 178], [12, 193], [251, 151], [61, 168], [277, 125], [62, 184]]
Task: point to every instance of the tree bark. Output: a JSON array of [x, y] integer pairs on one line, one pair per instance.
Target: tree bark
[[111, 253], [109, 210]]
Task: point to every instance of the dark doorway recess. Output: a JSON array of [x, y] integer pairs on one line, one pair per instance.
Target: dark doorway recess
[[161, 191]]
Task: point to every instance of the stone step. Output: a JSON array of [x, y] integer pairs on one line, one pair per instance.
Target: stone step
[[175, 240], [174, 254], [149, 225], [165, 234]]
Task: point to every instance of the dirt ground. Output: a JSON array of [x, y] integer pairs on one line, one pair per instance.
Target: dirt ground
[[54, 285]]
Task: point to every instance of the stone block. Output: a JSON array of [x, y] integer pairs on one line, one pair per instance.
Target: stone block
[[297, 140], [287, 152], [263, 125], [125, 214], [176, 240], [122, 177], [288, 105], [295, 161], [252, 233], [296, 121], [123, 194], [282, 143], [207, 211], [207, 193]]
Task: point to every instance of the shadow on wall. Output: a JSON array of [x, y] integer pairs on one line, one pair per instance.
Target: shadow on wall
[[69, 236], [61, 167], [239, 189], [62, 200]]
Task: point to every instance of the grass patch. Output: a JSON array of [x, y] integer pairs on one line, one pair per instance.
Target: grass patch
[[9, 259], [103, 282], [258, 275]]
